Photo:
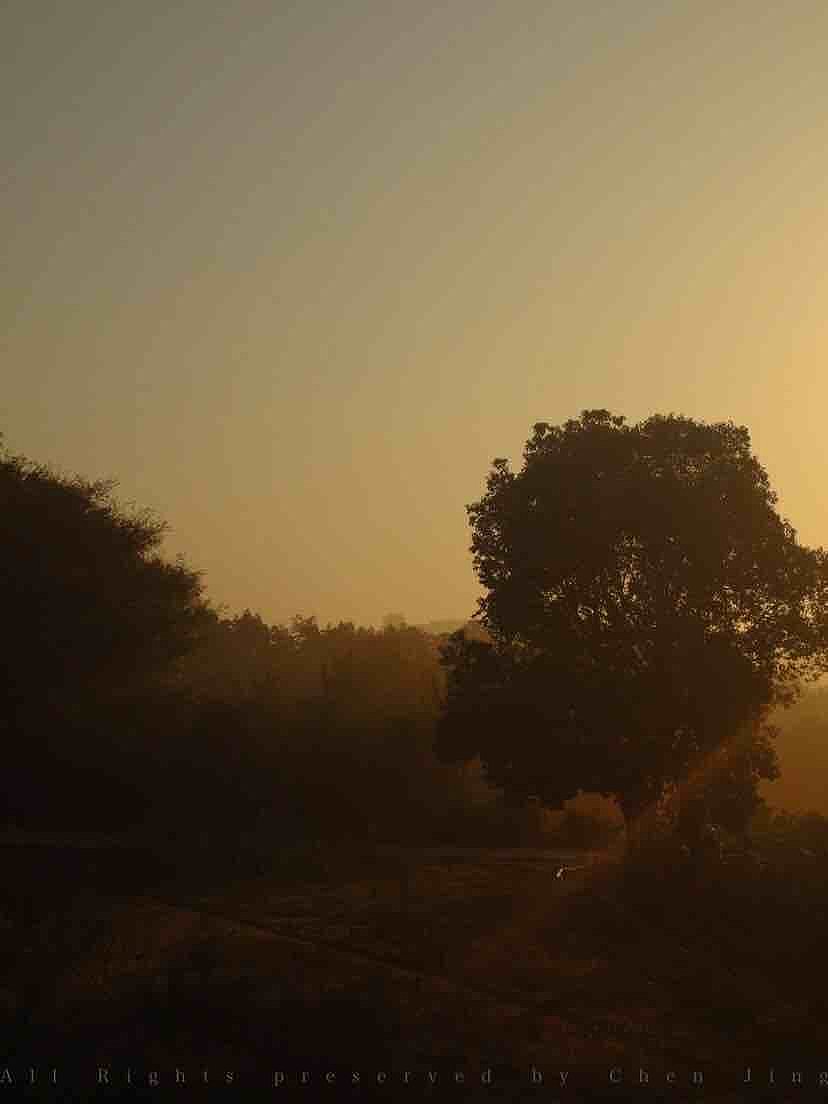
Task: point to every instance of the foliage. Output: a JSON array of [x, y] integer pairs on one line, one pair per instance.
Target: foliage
[[582, 829], [87, 598], [722, 789], [93, 615], [127, 700], [348, 721], [645, 602]]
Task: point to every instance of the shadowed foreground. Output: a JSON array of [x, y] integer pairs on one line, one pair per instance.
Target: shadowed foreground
[[383, 960]]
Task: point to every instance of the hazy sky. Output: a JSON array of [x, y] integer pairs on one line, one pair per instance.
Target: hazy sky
[[295, 273]]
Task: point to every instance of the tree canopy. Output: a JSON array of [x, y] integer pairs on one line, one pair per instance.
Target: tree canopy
[[88, 601], [93, 616], [645, 602]]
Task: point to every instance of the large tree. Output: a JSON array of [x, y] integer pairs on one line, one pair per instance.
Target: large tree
[[645, 603], [94, 621], [87, 598]]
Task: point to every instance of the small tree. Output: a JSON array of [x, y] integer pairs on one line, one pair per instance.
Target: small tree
[[645, 602]]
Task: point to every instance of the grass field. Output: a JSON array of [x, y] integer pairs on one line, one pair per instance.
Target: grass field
[[370, 960]]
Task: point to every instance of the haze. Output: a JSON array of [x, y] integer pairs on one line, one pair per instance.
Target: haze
[[294, 274]]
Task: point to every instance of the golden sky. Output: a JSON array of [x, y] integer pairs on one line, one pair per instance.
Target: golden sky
[[295, 273]]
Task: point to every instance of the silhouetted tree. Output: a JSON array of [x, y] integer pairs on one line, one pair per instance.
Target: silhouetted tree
[[91, 614], [645, 602]]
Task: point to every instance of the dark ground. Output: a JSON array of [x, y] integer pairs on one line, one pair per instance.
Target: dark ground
[[371, 960]]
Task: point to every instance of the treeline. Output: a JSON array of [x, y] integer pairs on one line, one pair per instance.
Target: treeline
[[322, 731], [127, 702]]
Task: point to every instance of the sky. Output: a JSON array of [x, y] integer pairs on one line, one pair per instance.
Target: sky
[[295, 273]]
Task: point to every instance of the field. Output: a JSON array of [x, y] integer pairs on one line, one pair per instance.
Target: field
[[472, 971]]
